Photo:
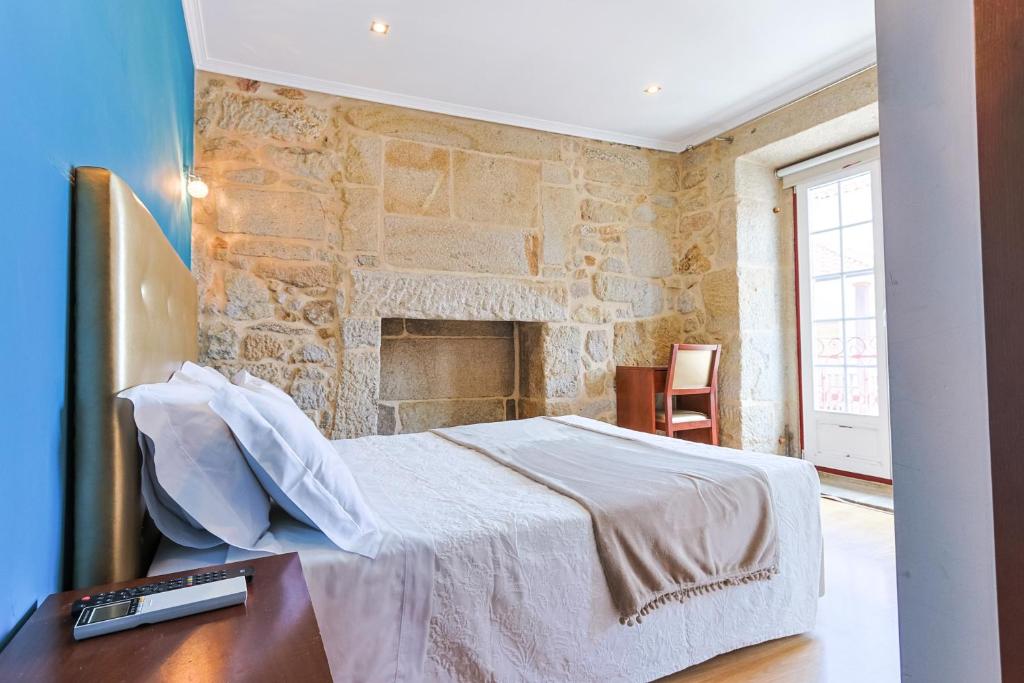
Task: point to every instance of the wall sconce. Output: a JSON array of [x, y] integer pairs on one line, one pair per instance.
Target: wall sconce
[[196, 187]]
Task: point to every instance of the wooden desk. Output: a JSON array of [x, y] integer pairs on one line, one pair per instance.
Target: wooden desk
[[635, 389], [274, 637]]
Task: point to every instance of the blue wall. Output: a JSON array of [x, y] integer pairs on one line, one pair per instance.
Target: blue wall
[[100, 83]]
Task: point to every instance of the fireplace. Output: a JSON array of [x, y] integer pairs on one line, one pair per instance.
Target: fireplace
[[442, 373]]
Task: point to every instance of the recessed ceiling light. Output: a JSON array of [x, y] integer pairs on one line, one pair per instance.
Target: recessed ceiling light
[[379, 27], [652, 89]]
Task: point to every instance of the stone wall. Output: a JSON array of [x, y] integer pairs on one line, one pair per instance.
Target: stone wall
[[442, 373], [736, 230], [327, 215]]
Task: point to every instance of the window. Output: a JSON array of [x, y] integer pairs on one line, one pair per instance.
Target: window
[[844, 321]]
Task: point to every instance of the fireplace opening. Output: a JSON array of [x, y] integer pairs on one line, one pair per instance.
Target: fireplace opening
[[443, 373]]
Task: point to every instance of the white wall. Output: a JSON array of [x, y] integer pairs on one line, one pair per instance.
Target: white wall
[[944, 538]]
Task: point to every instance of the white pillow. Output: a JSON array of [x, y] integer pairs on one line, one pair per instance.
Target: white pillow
[[198, 464], [297, 464], [170, 519]]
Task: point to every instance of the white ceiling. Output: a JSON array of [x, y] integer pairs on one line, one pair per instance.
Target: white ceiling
[[567, 66]]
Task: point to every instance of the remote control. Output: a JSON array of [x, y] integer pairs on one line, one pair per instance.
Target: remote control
[[120, 615], [158, 587]]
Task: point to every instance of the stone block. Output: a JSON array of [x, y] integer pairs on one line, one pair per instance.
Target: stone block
[[695, 223], [615, 164], [644, 214], [694, 177], [490, 189], [555, 173], [459, 328], [649, 251], [224, 149], [273, 248], [694, 199], [694, 262], [416, 295], [613, 264], [601, 409], [264, 118], [416, 179], [597, 345], [431, 244], [355, 409], [599, 211], [438, 129], [281, 328], [720, 290], [666, 173], [362, 160], [612, 193], [309, 163], [267, 212], [563, 361], [319, 312], [446, 367], [309, 394], [420, 416], [247, 295], [644, 296], [291, 93], [217, 341], [592, 314], [560, 211], [252, 176], [361, 220], [261, 346], [315, 275], [313, 353], [597, 382], [686, 302], [646, 342], [360, 332]]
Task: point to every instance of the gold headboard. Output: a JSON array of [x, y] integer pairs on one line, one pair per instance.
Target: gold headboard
[[134, 321]]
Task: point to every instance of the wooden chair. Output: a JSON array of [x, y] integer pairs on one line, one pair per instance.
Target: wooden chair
[[691, 391]]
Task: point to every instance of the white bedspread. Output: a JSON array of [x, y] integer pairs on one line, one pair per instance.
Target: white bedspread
[[497, 577]]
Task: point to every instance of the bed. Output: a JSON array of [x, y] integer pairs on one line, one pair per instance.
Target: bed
[[484, 573]]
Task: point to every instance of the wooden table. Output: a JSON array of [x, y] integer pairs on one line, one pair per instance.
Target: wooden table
[[273, 637], [635, 389]]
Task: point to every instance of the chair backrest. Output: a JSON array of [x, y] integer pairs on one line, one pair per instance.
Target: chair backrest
[[693, 366]]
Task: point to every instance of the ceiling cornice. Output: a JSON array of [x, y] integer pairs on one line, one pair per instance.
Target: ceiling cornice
[[854, 60]]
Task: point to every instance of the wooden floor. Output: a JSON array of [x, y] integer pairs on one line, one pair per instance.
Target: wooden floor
[[856, 638]]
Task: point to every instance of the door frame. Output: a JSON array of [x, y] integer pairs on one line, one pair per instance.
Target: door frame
[[860, 162]]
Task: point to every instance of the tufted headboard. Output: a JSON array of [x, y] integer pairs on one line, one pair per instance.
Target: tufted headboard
[[134, 318]]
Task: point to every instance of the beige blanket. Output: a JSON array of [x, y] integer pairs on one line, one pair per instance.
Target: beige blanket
[[667, 525]]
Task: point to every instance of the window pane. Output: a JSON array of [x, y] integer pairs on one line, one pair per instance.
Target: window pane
[[862, 391], [860, 295], [856, 195], [826, 299], [861, 342], [858, 247], [823, 207], [829, 392], [825, 253], [827, 343]]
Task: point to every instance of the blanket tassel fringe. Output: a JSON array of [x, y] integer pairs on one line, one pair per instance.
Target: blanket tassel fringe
[[684, 593]]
